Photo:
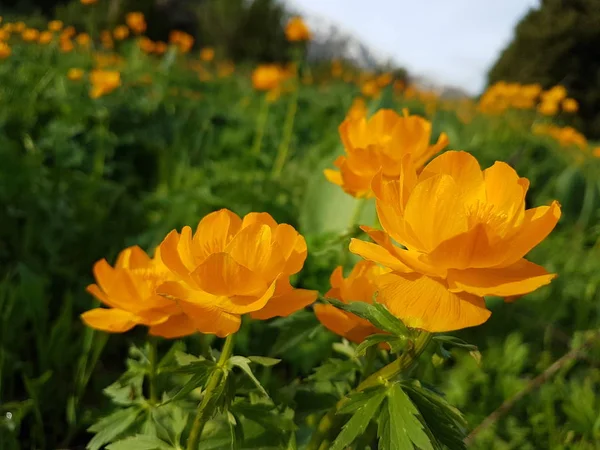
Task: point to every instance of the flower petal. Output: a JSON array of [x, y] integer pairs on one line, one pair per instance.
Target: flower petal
[[285, 301], [211, 320], [520, 278], [334, 176], [176, 326], [344, 324], [425, 303], [376, 253], [214, 232], [252, 248], [292, 246], [112, 320]]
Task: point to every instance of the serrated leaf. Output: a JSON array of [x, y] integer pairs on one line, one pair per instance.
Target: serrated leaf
[[244, 364], [110, 427], [357, 400], [197, 380], [375, 313], [264, 360], [358, 422], [266, 416], [140, 442], [196, 367], [404, 422], [183, 359], [334, 370]]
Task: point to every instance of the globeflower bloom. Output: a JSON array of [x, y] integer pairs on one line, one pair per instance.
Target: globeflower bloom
[[5, 50], [379, 144], [570, 105], [136, 22], [30, 35], [465, 233], [232, 266], [45, 37], [267, 77], [75, 74], [207, 54], [360, 286], [103, 82], [55, 25], [129, 291], [182, 40], [296, 30], [121, 32]]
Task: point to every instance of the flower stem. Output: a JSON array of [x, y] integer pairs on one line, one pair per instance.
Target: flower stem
[[331, 422], [288, 129], [152, 372], [261, 124], [206, 408], [358, 209]]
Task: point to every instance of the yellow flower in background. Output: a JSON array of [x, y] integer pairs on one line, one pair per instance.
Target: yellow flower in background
[[207, 54], [121, 32], [4, 35], [45, 37], [570, 105], [383, 80], [379, 144], [83, 39], [30, 35], [55, 25], [182, 40], [136, 22], [230, 267], [75, 74], [267, 77], [160, 47], [370, 88], [359, 286], [555, 94], [146, 44], [465, 232], [548, 107], [129, 291], [107, 39], [88, 2], [66, 45], [565, 136], [4, 50], [68, 33], [358, 109], [596, 152], [296, 30], [103, 82], [19, 27]]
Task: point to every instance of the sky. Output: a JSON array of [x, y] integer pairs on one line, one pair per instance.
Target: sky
[[450, 42]]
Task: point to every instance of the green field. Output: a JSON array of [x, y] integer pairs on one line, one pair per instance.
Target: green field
[[82, 178]]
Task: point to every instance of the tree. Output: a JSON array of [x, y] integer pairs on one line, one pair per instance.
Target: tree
[[558, 43]]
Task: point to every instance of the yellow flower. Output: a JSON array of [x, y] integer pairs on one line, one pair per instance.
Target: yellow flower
[[556, 94], [83, 39], [55, 25], [107, 40], [370, 88], [596, 152], [360, 286], [129, 291], [88, 2], [4, 50], [30, 35], [75, 74], [19, 27], [383, 80], [570, 105], [565, 136], [267, 77], [548, 107], [136, 22], [146, 44], [465, 232], [68, 33], [121, 32], [45, 37], [296, 30], [160, 47], [103, 82], [379, 144], [231, 267], [182, 40], [207, 54], [358, 110], [66, 45]]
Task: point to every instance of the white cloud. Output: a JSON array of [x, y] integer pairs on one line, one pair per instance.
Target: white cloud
[[449, 41]]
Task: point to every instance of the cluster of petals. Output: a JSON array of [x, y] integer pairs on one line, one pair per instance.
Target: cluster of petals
[[378, 144], [361, 286], [464, 233], [296, 30]]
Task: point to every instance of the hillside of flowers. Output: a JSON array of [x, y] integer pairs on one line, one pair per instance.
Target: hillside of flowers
[[197, 254]]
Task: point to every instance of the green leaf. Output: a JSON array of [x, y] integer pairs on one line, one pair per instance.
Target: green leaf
[[375, 313], [455, 342], [358, 399], [196, 381], [294, 330], [197, 367], [358, 422], [140, 442], [244, 364], [444, 421], [235, 430], [111, 427], [396, 343], [264, 361], [404, 423], [335, 370]]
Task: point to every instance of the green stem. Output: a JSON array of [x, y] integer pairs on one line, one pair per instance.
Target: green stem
[[261, 124], [206, 408], [282, 151], [358, 209], [331, 422], [152, 359]]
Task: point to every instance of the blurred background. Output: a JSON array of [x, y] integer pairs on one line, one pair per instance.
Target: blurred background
[[116, 128]]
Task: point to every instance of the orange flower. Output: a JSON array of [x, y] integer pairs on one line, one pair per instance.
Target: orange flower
[[231, 267], [146, 44], [4, 50], [596, 152], [379, 143], [103, 82], [359, 286], [207, 54], [107, 40], [30, 35], [66, 45], [129, 291], [136, 22], [75, 74], [464, 231], [296, 30], [55, 25], [370, 88], [570, 105], [267, 77], [548, 107], [19, 27], [358, 110], [88, 2], [68, 33], [83, 39], [182, 40], [160, 47], [121, 32], [45, 37]]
